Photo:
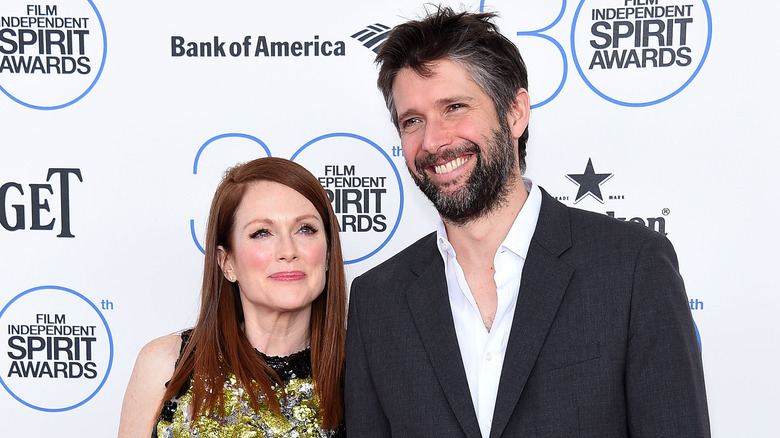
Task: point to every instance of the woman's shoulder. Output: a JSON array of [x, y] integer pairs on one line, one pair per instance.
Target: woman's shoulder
[[162, 352], [157, 360], [153, 369]]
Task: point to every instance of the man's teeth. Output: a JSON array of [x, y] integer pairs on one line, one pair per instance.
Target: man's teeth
[[450, 166]]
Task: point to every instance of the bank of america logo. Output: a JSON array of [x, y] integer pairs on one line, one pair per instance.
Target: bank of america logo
[[372, 36]]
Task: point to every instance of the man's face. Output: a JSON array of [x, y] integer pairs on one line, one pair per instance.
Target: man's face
[[459, 154]]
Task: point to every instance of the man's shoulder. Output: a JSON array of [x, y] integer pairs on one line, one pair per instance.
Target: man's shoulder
[[381, 290], [586, 223], [590, 231], [404, 261]]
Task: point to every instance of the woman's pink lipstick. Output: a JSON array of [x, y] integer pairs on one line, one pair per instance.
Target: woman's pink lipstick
[[288, 276]]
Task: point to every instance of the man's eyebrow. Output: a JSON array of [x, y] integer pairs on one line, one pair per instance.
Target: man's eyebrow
[[444, 101]]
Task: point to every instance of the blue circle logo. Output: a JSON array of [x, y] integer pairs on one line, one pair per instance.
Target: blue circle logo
[[51, 55], [630, 53], [233, 148], [360, 178], [640, 53], [58, 349], [364, 187]]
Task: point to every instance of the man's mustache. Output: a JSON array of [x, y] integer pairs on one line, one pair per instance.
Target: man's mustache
[[448, 155]]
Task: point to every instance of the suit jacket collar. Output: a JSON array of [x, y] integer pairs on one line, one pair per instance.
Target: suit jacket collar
[[429, 305], [542, 286]]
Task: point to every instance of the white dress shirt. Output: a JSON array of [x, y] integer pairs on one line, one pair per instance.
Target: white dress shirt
[[482, 351]]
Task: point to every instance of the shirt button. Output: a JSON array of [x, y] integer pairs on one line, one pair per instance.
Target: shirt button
[[488, 357], [444, 246]]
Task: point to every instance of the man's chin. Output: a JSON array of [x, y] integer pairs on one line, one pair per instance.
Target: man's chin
[[449, 191], [447, 197], [448, 184]]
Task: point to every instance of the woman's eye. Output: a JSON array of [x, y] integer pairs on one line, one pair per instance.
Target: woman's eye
[[260, 233], [308, 229]]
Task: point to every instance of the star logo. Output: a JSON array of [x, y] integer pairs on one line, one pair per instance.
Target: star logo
[[589, 182]]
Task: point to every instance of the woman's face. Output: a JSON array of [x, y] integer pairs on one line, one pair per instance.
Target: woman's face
[[280, 250]]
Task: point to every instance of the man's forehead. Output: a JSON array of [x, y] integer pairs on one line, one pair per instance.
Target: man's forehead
[[445, 81], [430, 69]]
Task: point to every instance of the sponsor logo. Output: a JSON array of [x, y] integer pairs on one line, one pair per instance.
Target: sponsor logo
[[56, 348], [366, 195], [51, 55], [657, 223], [589, 182], [372, 36], [589, 185], [19, 202], [259, 46], [640, 52]]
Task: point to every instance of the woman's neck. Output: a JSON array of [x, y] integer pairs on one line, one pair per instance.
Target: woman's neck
[[278, 334]]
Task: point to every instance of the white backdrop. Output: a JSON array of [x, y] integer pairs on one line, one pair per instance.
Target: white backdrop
[[112, 145]]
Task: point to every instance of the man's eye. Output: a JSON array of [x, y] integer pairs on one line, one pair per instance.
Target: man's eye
[[409, 123], [456, 106]]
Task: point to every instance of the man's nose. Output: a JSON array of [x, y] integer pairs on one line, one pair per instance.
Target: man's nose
[[437, 134]]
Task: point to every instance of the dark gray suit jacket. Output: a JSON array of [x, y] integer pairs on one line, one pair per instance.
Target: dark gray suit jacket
[[602, 343]]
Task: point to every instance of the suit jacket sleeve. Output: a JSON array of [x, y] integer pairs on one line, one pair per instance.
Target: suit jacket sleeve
[[664, 380], [364, 414]]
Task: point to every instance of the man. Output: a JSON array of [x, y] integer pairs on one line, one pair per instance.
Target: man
[[519, 316]]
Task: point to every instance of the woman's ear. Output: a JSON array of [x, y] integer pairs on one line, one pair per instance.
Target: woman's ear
[[225, 263]]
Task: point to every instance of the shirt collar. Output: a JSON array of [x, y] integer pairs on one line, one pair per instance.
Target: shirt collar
[[518, 239]]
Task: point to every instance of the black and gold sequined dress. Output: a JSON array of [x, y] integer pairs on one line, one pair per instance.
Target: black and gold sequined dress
[[300, 417]]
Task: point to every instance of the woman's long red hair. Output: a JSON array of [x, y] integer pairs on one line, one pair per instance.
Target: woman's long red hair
[[218, 345]]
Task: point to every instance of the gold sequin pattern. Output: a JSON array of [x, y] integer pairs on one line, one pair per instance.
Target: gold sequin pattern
[[300, 417]]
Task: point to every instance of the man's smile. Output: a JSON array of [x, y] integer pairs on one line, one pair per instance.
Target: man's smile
[[451, 165]]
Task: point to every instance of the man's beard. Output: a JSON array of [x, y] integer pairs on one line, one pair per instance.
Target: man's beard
[[486, 188]]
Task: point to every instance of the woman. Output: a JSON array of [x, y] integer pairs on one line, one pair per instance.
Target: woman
[[266, 357]]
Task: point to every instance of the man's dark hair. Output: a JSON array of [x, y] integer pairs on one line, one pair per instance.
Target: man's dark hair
[[470, 40]]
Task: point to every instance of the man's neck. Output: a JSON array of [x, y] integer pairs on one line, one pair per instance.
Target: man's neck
[[477, 241]]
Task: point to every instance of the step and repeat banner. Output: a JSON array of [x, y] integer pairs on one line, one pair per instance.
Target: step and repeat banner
[[118, 119]]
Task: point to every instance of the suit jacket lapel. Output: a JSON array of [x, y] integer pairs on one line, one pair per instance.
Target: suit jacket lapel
[[542, 286], [429, 305]]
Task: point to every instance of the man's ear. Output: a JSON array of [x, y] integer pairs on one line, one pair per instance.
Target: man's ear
[[225, 263], [519, 113]]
